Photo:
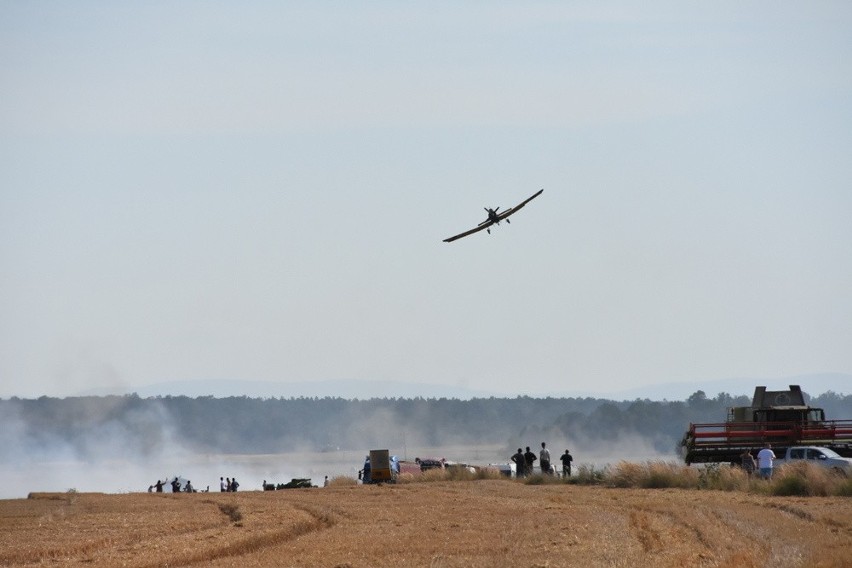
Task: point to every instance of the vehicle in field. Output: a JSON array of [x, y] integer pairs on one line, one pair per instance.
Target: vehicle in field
[[295, 483], [822, 457], [426, 464], [379, 467], [504, 469], [782, 418], [375, 472]]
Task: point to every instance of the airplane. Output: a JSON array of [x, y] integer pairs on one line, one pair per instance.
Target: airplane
[[494, 218]]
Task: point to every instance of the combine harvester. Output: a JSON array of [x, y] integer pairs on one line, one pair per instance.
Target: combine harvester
[[781, 418]]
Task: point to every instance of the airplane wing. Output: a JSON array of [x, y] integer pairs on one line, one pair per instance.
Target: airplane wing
[[481, 226], [487, 223], [511, 210]]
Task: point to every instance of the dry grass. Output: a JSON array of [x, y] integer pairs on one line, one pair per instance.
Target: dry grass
[[652, 475], [342, 481], [449, 474], [801, 478], [444, 523]]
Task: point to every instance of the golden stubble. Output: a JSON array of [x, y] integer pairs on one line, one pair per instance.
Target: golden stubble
[[443, 523]]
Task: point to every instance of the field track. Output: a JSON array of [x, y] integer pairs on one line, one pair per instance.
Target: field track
[[470, 524]]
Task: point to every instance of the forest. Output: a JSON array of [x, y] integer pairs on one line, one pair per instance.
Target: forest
[[131, 426]]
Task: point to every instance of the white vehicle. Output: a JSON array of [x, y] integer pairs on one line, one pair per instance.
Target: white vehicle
[[823, 457]]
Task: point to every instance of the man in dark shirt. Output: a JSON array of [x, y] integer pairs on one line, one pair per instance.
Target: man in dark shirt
[[530, 458], [520, 463], [566, 463]]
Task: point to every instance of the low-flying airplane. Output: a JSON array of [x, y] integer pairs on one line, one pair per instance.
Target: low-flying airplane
[[494, 218]]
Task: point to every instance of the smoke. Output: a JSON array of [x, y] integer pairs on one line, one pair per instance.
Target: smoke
[[126, 444], [591, 448], [99, 453], [625, 447], [117, 446]]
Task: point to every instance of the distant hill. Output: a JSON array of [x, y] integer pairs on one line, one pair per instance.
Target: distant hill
[[814, 384]]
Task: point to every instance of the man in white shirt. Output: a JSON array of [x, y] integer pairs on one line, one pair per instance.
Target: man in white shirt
[[765, 460], [544, 460]]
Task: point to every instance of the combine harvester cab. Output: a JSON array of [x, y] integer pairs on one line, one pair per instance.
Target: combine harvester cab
[[782, 418]]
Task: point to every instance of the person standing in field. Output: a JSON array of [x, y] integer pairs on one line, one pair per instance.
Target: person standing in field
[[765, 461], [530, 458], [566, 459], [544, 460], [223, 487], [748, 463], [520, 463]]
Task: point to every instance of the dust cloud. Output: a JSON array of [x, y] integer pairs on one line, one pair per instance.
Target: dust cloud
[[133, 454], [144, 446]]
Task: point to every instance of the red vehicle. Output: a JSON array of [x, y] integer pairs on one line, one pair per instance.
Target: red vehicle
[[419, 465], [781, 418]]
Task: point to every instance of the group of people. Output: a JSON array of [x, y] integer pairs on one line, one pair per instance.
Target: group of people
[[176, 487], [763, 464], [525, 460], [225, 484]]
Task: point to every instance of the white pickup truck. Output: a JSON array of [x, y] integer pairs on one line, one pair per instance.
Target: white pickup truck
[[823, 457]]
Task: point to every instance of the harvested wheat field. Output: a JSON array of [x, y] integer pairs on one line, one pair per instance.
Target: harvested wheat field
[[448, 523]]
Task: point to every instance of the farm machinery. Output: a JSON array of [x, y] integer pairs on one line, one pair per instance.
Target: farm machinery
[[782, 418]]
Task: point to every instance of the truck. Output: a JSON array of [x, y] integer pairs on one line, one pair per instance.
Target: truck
[[822, 457], [782, 418], [379, 467]]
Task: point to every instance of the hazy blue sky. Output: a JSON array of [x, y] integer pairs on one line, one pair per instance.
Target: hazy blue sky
[[259, 191]]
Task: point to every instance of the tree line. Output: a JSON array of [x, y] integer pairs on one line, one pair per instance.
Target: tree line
[[133, 426]]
